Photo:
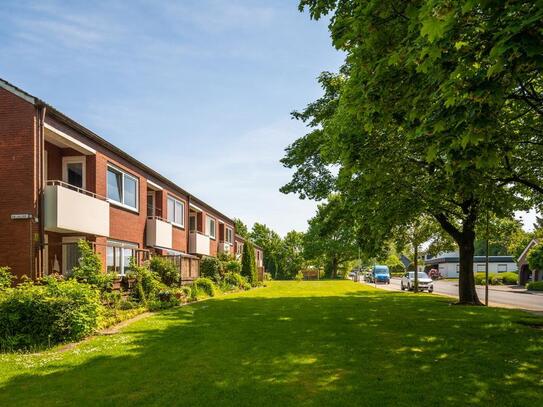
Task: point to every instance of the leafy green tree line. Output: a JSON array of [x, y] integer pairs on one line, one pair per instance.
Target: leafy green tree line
[[436, 113]]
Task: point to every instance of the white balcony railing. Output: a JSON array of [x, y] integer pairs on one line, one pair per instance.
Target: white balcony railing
[[198, 243], [70, 209], [158, 233]]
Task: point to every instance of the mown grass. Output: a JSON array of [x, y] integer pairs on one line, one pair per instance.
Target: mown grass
[[296, 343]]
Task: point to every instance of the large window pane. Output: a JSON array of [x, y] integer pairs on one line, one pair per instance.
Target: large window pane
[[75, 174], [178, 213], [114, 185], [130, 191], [171, 210], [127, 255], [72, 257]]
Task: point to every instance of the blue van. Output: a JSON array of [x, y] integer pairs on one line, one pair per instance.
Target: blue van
[[380, 274]]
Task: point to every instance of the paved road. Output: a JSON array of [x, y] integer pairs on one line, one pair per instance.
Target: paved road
[[496, 297]]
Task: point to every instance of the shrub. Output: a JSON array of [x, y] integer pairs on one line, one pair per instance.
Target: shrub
[[210, 268], [5, 277], [89, 268], [248, 263], [203, 285], [299, 276], [535, 286], [147, 285], [235, 280], [166, 269], [232, 266], [267, 276], [497, 278], [504, 278], [33, 316]]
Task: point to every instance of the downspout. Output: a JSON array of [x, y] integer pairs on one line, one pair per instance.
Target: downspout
[[188, 224], [41, 179]]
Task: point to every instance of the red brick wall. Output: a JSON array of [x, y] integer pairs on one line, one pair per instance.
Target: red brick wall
[[17, 182]]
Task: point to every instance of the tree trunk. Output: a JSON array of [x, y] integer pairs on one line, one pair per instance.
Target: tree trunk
[[334, 267], [466, 280], [465, 238]]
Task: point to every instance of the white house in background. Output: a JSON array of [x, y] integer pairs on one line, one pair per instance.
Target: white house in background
[[448, 264]]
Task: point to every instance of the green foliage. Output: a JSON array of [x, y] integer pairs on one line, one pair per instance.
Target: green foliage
[[267, 277], [148, 283], [497, 278], [232, 266], [430, 115], [241, 228], [202, 287], [248, 263], [89, 268], [535, 286], [5, 277], [535, 257], [33, 316], [166, 269], [299, 276], [210, 267], [235, 280], [330, 240]]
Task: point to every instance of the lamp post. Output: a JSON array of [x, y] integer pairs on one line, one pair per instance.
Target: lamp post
[[486, 263], [416, 287]]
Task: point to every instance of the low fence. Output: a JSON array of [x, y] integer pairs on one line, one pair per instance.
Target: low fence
[[188, 266]]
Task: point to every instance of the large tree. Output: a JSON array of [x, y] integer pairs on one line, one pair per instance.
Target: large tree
[[331, 236], [427, 117], [272, 244]]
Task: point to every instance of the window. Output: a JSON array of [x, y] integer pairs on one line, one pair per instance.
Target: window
[[229, 236], [502, 268], [192, 223], [70, 254], [73, 171], [480, 267], [118, 256], [239, 248], [122, 188], [211, 227], [176, 212]]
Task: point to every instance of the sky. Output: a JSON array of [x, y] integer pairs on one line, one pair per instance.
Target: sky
[[200, 91]]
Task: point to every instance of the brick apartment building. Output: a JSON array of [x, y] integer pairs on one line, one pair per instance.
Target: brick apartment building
[[60, 182]]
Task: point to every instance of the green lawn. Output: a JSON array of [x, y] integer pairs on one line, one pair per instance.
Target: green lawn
[[296, 343]]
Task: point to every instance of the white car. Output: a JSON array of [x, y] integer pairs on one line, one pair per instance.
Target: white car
[[425, 282]]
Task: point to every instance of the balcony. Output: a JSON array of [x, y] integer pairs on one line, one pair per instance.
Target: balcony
[[225, 247], [198, 243], [70, 209], [158, 232]]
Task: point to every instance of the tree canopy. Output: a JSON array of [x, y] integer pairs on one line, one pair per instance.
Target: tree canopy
[[434, 113]]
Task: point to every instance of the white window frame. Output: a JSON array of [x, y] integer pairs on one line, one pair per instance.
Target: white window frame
[[65, 241], [124, 175], [79, 159], [231, 240], [502, 271], [480, 268], [175, 221], [208, 228], [122, 246]]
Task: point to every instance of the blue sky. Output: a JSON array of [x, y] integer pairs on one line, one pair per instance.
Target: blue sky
[[199, 90]]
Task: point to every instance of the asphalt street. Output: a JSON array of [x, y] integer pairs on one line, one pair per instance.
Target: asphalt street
[[501, 297]]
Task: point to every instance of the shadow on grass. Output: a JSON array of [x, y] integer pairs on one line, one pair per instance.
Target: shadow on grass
[[358, 347]]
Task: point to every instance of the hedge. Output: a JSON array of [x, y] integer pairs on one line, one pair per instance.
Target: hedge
[[35, 316], [535, 286]]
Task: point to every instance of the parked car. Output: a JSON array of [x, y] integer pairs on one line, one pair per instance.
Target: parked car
[[425, 282], [379, 274]]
